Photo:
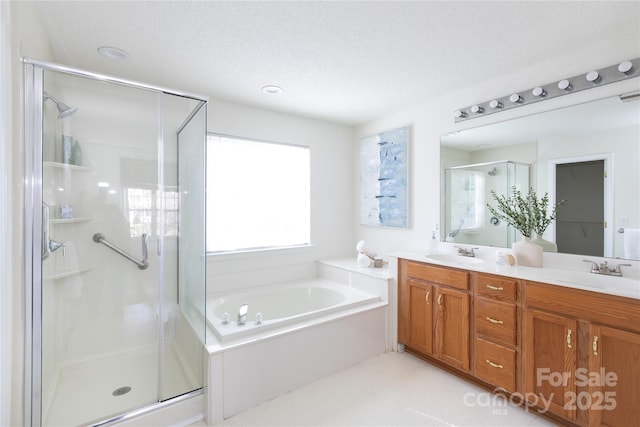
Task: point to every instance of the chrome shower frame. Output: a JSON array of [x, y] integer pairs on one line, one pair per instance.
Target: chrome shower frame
[[33, 72]]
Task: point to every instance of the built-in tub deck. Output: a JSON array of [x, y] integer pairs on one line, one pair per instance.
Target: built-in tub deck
[[311, 328]]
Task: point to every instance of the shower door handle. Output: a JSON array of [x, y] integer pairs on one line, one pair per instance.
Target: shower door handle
[[45, 231]]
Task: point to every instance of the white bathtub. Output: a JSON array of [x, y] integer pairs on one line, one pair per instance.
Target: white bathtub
[[280, 305], [311, 328]]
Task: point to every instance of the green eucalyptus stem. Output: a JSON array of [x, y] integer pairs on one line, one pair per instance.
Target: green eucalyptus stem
[[527, 214]]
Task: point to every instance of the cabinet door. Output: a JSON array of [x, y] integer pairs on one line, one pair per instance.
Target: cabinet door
[[550, 361], [614, 378], [452, 327], [420, 316]]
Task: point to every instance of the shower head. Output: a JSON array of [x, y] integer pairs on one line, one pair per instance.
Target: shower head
[[63, 109], [493, 172]]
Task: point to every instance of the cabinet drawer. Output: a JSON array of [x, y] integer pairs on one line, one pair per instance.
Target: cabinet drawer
[[496, 320], [444, 276], [496, 364], [496, 287]]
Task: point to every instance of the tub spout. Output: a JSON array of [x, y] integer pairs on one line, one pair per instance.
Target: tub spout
[[242, 314]]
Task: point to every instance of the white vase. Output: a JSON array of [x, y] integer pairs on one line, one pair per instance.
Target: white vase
[[547, 246], [527, 253]]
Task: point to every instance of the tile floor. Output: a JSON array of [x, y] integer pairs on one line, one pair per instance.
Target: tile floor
[[392, 389]]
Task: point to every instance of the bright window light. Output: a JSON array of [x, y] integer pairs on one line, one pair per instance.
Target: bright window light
[[257, 195]]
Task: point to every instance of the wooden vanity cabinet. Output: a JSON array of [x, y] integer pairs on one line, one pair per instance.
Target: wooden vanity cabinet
[[615, 355], [550, 350], [575, 350], [592, 342], [419, 333], [496, 330], [434, 307]]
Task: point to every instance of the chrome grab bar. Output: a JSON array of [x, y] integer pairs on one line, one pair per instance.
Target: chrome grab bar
[[142, 265]]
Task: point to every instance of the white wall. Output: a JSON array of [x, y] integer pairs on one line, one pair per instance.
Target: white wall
[[332, 196], [435, 117]]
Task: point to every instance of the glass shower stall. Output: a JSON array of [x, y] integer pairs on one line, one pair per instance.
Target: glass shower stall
[[115, 246], [467, 191]]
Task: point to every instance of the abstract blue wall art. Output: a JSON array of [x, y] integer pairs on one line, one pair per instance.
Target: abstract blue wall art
[[383, 179]]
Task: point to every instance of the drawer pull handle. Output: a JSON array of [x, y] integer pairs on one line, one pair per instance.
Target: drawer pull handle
[[495, 365], [595, 345], [494, 321], [440, 300], [426, 297], [495, 288], [569, 338]]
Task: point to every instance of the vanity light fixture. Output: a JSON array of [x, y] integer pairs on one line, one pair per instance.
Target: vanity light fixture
[[564, 85], [593, 77], [538, 91], [614, 73]]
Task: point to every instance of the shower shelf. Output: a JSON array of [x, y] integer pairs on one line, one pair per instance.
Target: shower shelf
[[69, 221], [68, 166], [66, 273]]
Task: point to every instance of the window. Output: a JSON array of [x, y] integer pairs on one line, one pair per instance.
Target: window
[[143, 206], [257, 195]]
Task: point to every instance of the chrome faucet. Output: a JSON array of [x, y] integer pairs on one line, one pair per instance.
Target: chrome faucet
[[466, 252], [242, 314], [605, 269]]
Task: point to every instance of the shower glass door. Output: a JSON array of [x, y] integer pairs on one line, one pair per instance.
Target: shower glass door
[[112, 330]]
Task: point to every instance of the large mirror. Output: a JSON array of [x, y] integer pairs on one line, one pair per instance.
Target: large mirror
[[587, 155]]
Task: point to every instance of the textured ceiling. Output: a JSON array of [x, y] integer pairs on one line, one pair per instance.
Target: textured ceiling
[[346, 62]]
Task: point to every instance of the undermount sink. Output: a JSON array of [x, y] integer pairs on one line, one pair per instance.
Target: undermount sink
[[454, 258]]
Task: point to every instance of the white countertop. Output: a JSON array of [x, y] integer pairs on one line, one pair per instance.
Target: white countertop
[[620, 286]]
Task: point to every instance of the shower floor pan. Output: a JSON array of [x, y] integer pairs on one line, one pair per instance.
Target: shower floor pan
[[96, 389]]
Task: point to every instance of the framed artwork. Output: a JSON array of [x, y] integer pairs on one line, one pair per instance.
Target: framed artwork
[[383, 179]]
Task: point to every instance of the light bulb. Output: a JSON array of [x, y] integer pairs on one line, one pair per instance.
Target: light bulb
[[564, 85], [538, 91], [593, 77]]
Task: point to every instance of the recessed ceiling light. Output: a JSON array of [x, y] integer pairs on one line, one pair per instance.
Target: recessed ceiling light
[[483, 145], [272, 89], [114, 53]]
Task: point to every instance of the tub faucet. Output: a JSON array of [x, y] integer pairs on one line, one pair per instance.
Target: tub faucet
[[242, 314]]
